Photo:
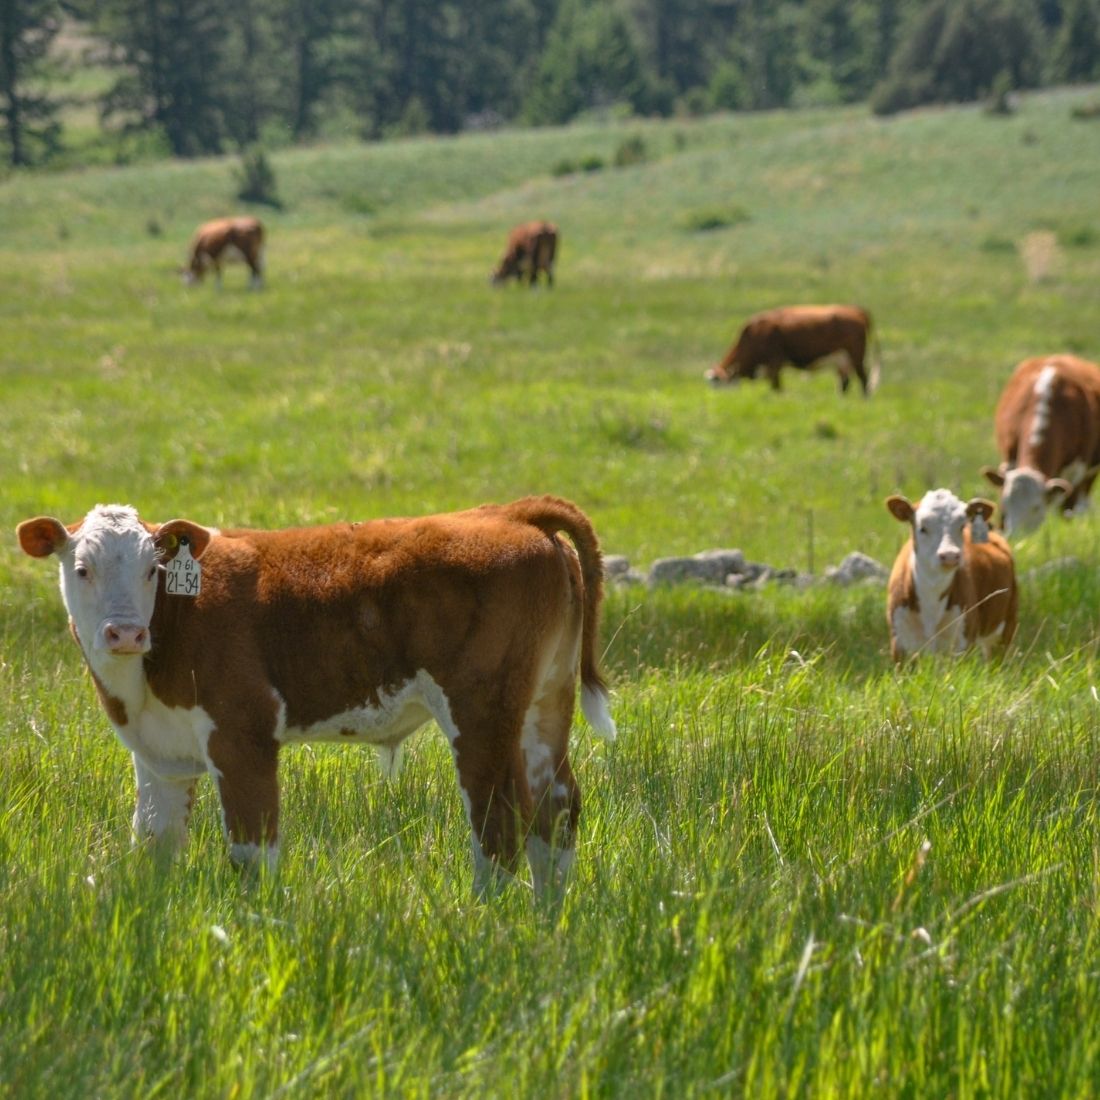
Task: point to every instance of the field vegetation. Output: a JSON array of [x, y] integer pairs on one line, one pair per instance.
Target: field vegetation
[[802, 872]]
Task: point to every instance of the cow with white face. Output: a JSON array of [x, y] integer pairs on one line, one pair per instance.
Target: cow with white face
[[212, 649], [953, 584], [1047, 425]]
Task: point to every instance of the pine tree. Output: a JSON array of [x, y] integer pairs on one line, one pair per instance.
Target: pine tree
[[1076, 54], [28, 118], [171, 56]]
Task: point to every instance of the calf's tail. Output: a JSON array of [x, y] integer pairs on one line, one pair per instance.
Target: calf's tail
[[551, 515]]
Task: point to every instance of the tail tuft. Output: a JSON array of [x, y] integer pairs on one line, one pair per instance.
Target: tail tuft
[[594, 704]]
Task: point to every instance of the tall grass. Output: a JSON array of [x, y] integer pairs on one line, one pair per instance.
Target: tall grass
[[802, 871]]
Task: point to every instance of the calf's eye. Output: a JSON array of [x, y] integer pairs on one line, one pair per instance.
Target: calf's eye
[[81, 571]]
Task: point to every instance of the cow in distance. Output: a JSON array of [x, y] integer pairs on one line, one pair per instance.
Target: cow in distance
[[803, 336], [1047, 427], [226, 239], [531, 249]]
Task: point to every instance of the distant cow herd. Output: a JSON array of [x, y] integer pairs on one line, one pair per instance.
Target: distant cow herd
[[210, 649]]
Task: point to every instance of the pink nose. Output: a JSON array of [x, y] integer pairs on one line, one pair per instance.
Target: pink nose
[[126, 638], [949, 557]]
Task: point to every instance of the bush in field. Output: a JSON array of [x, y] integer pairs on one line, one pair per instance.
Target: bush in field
[[631, 151], [256, 179]]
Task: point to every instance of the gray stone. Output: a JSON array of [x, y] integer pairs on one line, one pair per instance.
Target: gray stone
[[856, 567]]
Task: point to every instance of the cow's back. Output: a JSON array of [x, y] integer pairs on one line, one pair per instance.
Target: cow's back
[[1047, 431]]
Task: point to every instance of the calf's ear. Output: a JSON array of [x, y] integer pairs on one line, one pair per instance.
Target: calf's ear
[[994, 475], [1056, 487], [42, 536], [900, 508], [169, 535], [978, 506]]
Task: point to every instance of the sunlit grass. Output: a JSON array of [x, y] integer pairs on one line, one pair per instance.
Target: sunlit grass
[[802, 871]]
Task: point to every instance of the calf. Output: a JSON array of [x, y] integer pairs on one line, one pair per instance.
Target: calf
[[953, 584], [531, 249], [802, 335], [210, 650], [227, 239], [1047, 425]]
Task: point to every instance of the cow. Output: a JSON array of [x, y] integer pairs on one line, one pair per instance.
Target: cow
[[953, 584], [226, 239], [211, 649], [531, 249], [802, 335], [1047, 427]]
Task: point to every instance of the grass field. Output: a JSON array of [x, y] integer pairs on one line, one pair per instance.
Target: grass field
[[801, 873]]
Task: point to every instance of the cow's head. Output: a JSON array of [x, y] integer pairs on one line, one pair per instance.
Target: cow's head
[[938, 523], [1026, 494], [505, 270], [109, 562]]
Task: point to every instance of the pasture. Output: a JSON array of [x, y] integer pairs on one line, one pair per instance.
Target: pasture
[[800, 872]]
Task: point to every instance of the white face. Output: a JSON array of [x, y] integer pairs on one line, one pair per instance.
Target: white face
[[938, 526], [109, 581], [1023, 501]]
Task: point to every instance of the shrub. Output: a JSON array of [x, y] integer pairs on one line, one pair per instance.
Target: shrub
[[564, 167], [592, 163], [705, 218], [631, 151], [256, 179]]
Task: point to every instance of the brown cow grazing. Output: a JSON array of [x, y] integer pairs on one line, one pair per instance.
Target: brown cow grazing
[[953, 584], [531, 249], [227, 239], [212, 649], [801, 335], [1047, 425]]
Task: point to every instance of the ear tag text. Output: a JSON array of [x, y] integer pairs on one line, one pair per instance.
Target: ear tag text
[[183, 573]]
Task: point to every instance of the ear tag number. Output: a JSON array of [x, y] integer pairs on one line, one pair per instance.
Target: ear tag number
[[184, 574]]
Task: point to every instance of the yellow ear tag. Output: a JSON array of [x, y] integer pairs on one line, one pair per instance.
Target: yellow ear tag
[[183, 572]]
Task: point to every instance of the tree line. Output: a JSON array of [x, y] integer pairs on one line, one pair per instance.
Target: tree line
[[205, 76]]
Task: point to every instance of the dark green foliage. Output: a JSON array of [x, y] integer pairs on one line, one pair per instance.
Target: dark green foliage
[[591, 61], [198, 76], [1076, 54], [172, 68], [959, 50], [631, 150], [256, 179], [28, 117], [706, 218]]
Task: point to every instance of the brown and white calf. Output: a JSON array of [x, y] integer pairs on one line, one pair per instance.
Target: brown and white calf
[[802, 335], [1047, 425], [531, 248], [225, 239], [212, 649], [953, 584]]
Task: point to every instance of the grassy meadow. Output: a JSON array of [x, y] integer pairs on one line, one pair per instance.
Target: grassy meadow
[[801, 872]]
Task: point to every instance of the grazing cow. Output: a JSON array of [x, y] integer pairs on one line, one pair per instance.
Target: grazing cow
[[531, 249], [1047, 425], [801, 335], [227, 239], [953, 584], [211, 649]]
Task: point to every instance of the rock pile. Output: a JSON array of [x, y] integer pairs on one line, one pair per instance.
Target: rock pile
[[729, 569]]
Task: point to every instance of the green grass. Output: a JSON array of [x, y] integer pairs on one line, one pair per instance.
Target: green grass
[[802, 873]]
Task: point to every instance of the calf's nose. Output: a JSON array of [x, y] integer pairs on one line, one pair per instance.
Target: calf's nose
[[949, 557], [122, 638]]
